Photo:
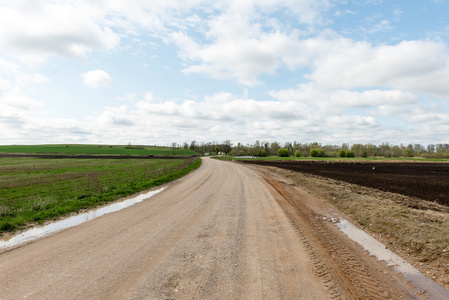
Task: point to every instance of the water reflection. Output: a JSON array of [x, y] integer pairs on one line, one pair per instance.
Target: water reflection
[[410, 273], [40, 231]]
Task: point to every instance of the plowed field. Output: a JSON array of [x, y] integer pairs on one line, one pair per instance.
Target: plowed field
[[428, 181]]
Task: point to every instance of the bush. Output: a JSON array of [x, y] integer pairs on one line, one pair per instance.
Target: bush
[[317, 152], [349, 153], [341, 153], [297, 153], [262, 153], [241, 153], [282, 152], [364, 153], [440, 155]]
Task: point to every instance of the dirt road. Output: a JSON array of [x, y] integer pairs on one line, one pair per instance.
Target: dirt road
[[225, 231]]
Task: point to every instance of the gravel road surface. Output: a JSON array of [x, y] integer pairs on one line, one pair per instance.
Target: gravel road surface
[[225, 231]]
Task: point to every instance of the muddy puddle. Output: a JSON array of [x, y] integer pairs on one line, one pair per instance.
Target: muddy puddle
[[422, 283], [39, 231]]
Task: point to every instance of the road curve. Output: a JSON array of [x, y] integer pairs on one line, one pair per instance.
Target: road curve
[[225, 231]]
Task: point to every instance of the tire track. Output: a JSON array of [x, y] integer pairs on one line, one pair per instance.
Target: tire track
[[343, 273], [218, 233]]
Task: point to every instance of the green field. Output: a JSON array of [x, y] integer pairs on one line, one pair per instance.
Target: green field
[[37, 189], [94, 150]]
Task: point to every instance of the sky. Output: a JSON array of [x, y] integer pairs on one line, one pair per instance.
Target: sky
[[174, 71]]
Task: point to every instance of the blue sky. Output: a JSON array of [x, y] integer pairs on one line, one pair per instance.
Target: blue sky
[[158, 72]]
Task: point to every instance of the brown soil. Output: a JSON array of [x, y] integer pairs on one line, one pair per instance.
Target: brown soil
[[428, 181], [225, 231]]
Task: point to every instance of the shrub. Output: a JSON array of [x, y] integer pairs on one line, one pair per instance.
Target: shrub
[[341, 153], [349, 153], [408, 153], [263, 153], [282, 152], [364, 153], [317, 152], [297, 153], [241, 153]]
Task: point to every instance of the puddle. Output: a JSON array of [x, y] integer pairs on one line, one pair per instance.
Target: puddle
[[40, 231], [410, 273]]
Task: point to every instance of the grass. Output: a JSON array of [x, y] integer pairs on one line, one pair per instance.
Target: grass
[[93, 149], [34, 190]]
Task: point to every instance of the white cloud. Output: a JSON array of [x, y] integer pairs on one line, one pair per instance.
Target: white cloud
[[383, 25], [419, 66], [240, 51], [238, 46], [16, 107], [14, 102], [13, 72], [16, 111], [218, 116], [340, 13], [312, 94], [225, 116], [149, 97], [224, 107], [351, 122], [244, 42], [8, 67], [96, 78], [34, 31], [305, 11], [128, 97], [372, 98], [116, 116]]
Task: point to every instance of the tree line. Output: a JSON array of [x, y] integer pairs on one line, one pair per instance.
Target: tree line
[[265, 148]]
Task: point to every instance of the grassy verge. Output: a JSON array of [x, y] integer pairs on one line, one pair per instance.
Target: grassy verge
[[35, 190]]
